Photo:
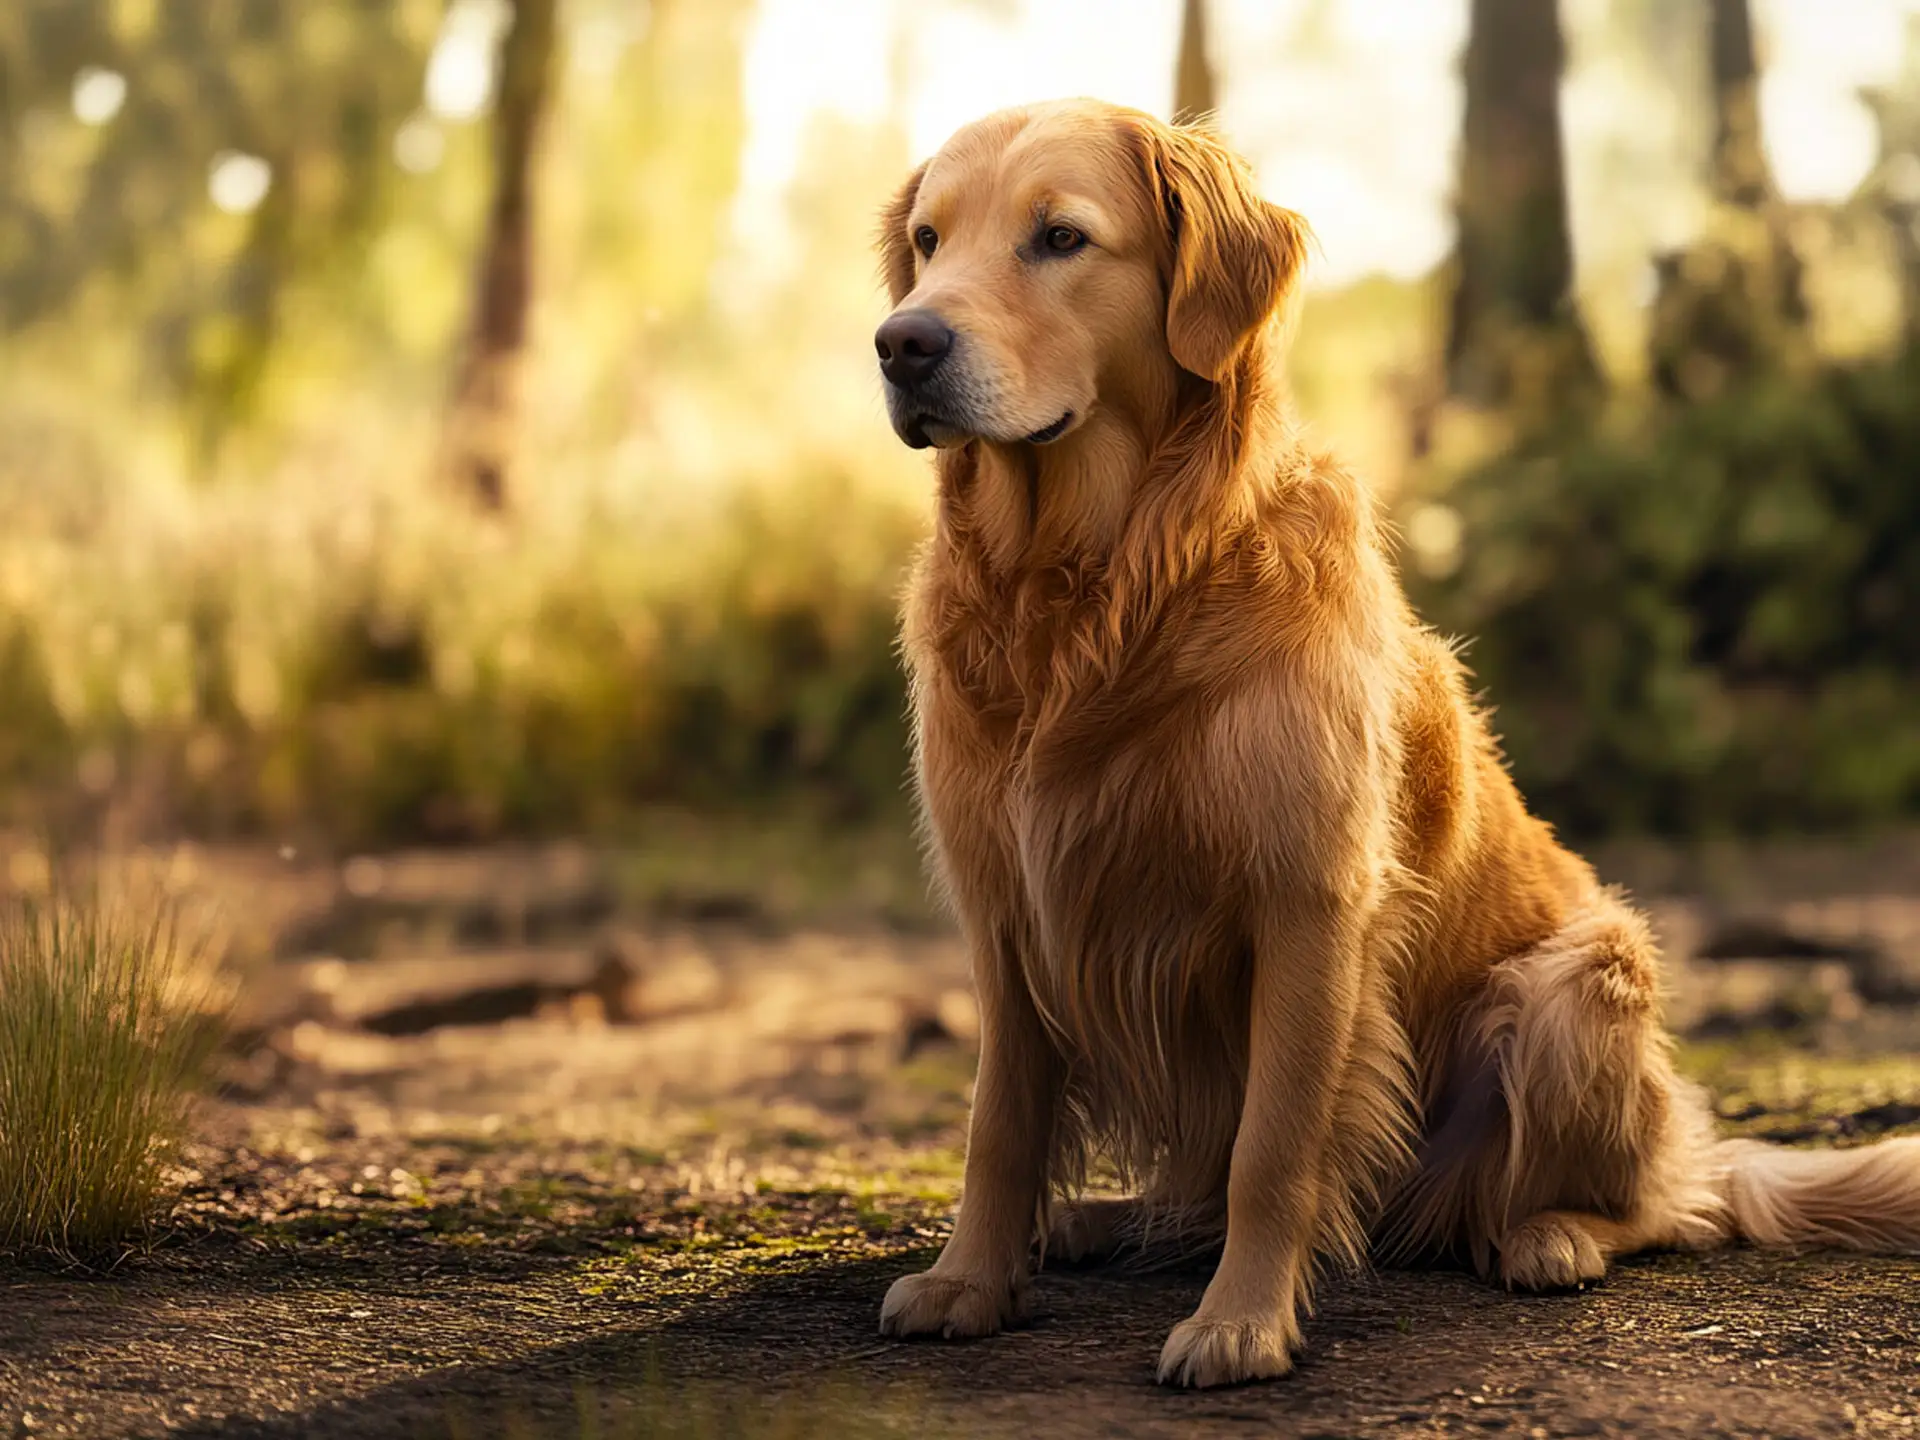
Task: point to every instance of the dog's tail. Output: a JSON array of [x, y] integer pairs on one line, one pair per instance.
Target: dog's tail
[[1861, 1199]]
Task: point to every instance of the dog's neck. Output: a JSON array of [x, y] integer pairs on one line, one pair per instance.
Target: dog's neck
[[1029, 506], [1166, 461]]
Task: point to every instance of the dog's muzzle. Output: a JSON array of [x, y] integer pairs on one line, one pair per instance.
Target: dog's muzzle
[[925, 404]]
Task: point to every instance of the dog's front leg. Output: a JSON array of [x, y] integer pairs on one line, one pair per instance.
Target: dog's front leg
[[1305, 993], [979, 1283]]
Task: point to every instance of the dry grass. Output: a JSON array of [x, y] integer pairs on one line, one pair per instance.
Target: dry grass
[[332, 651], [106, 1034]]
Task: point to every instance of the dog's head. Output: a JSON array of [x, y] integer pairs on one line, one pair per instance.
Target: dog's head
[[1054, 260]]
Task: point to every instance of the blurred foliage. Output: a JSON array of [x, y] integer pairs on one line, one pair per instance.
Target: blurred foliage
[[111, 210], [1894, 185], [1691, 618], [370, 672], [1732, 304], [639, 168], [1726, 308], [1709, 621], [289, 631], [113, 254]]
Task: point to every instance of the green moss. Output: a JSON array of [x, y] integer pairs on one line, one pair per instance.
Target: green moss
[[1773, 1089]]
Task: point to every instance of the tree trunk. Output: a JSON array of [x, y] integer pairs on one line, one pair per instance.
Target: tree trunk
[[1739, 169], [1895, 186], [1733, 303], [1741, 176], [1195, 92], [1514, 333], [483, 411]]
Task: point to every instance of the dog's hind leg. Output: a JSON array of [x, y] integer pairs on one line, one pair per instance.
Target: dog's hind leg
[[1563, 1249], [1180, 1214], [1596, 1148]]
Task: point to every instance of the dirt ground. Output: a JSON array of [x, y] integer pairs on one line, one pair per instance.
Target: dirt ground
[[506, 1147]]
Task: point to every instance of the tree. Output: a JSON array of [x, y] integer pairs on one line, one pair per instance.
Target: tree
[[1195, 90], [1740, 175], [113, 117], [1514, 334], [1895, 183], [483, 409], [1731, 304], [1739, 168]]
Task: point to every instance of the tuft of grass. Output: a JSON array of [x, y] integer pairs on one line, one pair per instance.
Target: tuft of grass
[[106, 1034]]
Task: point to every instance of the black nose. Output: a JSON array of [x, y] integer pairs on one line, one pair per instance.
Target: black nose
[[911, 345]]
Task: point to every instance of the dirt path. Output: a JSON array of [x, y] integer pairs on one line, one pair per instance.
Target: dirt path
[[672, 1211], [1734, 1344]]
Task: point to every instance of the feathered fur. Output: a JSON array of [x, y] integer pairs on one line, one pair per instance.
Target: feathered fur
[[1255, 909]]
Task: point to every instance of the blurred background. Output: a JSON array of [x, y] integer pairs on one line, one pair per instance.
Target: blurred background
[[450, 550], [454, 421]]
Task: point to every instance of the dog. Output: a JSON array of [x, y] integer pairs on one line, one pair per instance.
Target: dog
[[1255, 912]]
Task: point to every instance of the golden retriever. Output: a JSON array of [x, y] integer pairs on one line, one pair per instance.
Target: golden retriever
[[1255, 911]]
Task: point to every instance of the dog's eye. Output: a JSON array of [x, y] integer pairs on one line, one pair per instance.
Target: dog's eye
[[926, 240], [1064, 239]]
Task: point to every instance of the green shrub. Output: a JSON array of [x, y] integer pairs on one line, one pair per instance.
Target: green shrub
[[105, 1037], [282, 666], [1712, 623]]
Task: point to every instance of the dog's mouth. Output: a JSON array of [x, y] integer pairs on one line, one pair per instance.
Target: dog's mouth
[[920, 431], [1051, 432]]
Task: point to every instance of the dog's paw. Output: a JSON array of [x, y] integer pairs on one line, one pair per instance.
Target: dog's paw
[[1550, 1252], [1203, 1353], [954, 1307]]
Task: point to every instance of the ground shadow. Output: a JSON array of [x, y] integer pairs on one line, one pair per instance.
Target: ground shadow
[[1731, 1343]]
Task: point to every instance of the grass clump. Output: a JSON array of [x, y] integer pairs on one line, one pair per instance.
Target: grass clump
[[105, 1036]]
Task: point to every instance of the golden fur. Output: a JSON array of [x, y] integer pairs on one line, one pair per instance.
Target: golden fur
[[1254, 908]]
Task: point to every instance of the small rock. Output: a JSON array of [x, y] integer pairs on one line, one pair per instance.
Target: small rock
[[959, 1013], [921, 1032], [656, 978]]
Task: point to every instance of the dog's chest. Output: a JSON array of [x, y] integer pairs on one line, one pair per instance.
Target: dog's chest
[[1132, 935], [1119, 886], [1083, 755], [1108, 831]]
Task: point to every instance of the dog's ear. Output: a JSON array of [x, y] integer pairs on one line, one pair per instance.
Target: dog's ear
[[896, 249], [1235, 257]]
